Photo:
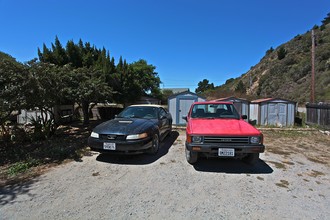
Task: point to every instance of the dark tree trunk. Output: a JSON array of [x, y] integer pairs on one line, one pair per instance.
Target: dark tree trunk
[[85, 106]]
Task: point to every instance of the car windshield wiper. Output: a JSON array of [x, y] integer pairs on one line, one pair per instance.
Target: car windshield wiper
[[204, 117], [135, 116]]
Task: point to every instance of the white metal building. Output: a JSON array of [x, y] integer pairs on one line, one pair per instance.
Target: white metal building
[[241, 105], [62, 113], [179, 105], [273, 111]]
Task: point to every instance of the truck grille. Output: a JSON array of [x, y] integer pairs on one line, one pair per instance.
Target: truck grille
[[226, 140]]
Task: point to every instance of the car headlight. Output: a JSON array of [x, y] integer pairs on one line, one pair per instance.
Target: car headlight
[[95, 135], [136, 136], [196, 139], [255, 140]]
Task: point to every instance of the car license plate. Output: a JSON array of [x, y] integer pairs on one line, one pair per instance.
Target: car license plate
[[109, 146], [226, 152]]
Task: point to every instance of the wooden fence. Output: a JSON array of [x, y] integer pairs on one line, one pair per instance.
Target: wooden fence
[[318, 114]]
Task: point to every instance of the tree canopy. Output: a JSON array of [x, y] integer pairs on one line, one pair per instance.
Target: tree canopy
[[75, 73], [203, 86], [95, 77], [13, 85]]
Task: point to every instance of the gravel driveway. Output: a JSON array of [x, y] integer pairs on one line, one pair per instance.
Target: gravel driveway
[[291, 181]]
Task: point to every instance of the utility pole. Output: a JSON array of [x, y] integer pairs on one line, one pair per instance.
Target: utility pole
[[313, 69]]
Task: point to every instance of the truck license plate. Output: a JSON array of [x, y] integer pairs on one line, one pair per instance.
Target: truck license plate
[[226, 152], [109, 146]]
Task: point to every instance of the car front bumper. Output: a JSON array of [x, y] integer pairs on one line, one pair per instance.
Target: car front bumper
[[122, 147]]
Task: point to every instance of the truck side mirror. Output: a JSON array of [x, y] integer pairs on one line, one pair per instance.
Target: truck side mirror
[[185, 118], [244, 116]]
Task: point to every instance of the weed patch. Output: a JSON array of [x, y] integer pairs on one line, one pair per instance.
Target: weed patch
[[316, 173], [278, 165], [283, 184], [260, 178], [22, 166], [316, 160]]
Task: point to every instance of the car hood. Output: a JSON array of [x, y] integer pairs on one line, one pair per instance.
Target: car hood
[[225, 127], [124, 126]]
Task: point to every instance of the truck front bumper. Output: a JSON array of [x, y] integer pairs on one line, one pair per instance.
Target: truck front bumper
[[213, 149]]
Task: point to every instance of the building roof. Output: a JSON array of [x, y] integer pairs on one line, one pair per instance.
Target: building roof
[[185, 93], [270, 100], [232, 99], [214, 102]]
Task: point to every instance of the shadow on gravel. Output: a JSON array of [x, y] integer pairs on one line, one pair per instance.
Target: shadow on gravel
[[9, 193], [231, 166], [141, 159]]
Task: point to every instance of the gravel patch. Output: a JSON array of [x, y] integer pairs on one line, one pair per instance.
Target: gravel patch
[[290, 181]]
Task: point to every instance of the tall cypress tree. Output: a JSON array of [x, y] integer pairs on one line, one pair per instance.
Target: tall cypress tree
[[59, 53], [74, 54], [326, 20]]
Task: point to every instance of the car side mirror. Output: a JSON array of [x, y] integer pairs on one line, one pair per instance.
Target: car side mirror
[[185, 118], [244, 116]]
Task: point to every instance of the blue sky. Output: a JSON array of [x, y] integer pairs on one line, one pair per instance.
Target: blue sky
[[187, 40]]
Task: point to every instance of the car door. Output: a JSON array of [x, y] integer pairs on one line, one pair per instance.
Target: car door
[[164, 122]]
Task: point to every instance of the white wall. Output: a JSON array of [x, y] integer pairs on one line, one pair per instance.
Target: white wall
[[26, 116], [254, 112]]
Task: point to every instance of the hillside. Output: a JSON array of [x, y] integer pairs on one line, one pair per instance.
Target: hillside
[[285, 72]]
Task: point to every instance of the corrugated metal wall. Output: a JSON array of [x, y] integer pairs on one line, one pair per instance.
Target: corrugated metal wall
[[241, 105], [172, 108], [275, 112], [254, 113], [179, 105]]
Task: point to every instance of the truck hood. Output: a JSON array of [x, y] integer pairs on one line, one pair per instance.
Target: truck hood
[[225, 127]]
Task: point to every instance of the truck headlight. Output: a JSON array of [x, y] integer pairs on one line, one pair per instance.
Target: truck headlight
[[196, 139], [255, 140]]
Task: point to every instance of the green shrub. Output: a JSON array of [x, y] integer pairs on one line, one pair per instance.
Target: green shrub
[[22, 166], [281, 53]]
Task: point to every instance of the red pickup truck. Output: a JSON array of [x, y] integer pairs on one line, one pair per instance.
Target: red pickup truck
[[215, 129]]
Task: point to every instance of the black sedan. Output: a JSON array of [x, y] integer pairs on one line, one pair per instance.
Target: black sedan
[[137, 129]]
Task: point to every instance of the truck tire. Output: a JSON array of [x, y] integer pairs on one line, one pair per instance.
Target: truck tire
[[251, 158], [191, 156]]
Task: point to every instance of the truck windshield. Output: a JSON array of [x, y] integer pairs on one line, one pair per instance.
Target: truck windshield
[[214, 111]]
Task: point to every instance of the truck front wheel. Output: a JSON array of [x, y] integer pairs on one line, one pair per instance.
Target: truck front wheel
[[251, 158], [191, 156]]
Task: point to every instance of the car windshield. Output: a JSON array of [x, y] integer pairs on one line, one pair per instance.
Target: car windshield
[[214, 111], [139, 112]]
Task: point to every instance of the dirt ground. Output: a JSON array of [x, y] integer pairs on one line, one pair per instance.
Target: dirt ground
[[290, 181]]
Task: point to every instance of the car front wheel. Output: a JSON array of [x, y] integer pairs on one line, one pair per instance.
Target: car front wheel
[[191, 156], [155, 144]]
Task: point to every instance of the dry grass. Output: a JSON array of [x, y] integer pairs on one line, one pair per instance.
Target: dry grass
[[311, 143]]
